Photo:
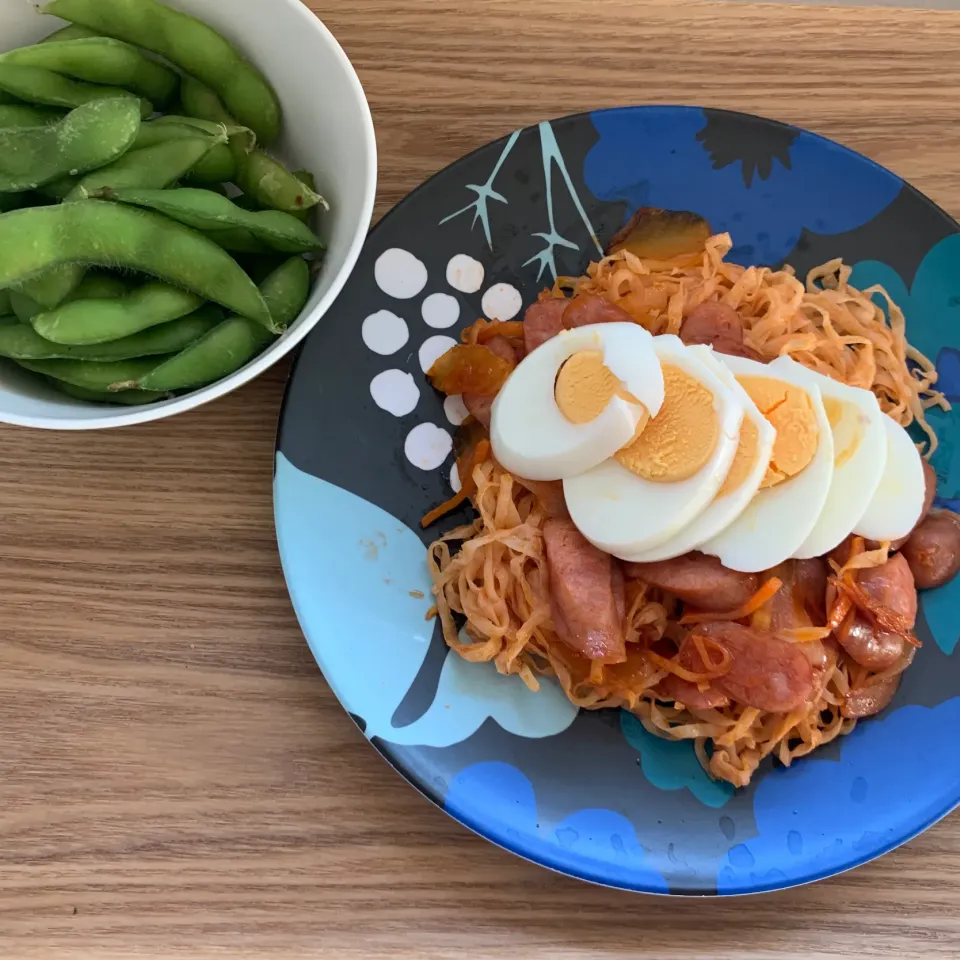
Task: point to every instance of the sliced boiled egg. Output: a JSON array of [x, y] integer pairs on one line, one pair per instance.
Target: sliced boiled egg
[[896, 505], [576, 400], [663, 479], [859, 457], [750, 462], [784, 511]]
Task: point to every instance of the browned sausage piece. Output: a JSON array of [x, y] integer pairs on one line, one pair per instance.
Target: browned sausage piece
[[766, 672], [891, 585], [549, 493], [587, 308], [478, 404], [543, 321], [699, 580], [929, 494], [933, 550], [582, 592], [811, 587], [716, 325], [870, 646], [870, 700]]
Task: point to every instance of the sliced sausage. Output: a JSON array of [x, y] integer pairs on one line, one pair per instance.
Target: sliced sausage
[[801, 600], [543, 321], [811, 587], [765, 672], [717, 325], [582, 594], [587, 308], [479, 404], [933, 550], [870, 646], [870, 700], [699, 580], [891, 585]]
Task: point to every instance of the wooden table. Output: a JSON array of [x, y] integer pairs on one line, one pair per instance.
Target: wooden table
[[176, 779]]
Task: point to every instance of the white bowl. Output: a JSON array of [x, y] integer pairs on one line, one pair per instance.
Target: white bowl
[[327, 129]]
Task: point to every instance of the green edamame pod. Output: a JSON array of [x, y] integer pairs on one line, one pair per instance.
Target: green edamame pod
[[259, 176], [102, 320], [100, 286], [101, 60], [286, 291], [91, 374], [156, 167], [87, 138], [70, 32], [307, 178], [123, 397], [24, 308], [36, 85], [236, 341], [218, 166], [273, 186], [95, 232], [174, 127], [52, 286], [211, 213], [225, 349], [23, 115], [92, 286], [22, 342], [5, 307], [189, 44]]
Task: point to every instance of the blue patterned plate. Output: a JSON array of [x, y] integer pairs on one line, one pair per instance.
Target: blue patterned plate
[[364, 451]]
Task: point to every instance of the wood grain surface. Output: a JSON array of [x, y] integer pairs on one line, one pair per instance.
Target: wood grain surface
[[176, 779]]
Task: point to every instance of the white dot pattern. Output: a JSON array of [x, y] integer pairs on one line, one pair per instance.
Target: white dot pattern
[[395, 391], [440, 311], [399, 273], [427, 446], [384, 332]]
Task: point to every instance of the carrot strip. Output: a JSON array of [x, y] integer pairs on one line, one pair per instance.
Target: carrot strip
[[841, 607], [480, 331], [805, 634], [467, 485], [716, 669], [766, 592]]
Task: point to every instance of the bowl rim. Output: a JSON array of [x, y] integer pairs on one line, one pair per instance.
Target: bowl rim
[[279, 349]]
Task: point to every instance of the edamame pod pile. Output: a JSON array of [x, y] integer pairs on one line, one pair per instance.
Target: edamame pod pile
[[119, 225]]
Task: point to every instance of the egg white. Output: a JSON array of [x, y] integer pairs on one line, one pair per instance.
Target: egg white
[[856, 478], [778, 519], [624, 514], [724, 509], [897, 503], [530, 436]]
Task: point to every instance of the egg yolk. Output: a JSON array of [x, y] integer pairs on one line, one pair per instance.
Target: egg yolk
[[681, 438], [743, 459], [847, 425], [584, 387], [790, 412]]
